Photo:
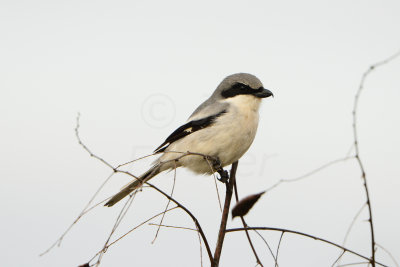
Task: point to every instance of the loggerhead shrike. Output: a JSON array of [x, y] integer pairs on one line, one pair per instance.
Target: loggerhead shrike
[[223, 127]]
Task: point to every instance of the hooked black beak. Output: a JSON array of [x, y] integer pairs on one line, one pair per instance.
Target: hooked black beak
[[263, 93]]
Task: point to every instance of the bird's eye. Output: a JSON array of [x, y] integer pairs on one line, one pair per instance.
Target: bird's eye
[[237, 89], [240, 86]]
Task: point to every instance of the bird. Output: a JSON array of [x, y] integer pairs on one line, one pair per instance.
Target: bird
[[222, 128]]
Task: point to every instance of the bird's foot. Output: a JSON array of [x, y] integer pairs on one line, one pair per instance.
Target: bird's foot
[[224, 176], [217, 166]]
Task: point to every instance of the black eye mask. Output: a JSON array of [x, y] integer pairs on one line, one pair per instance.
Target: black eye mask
[[240, 89]]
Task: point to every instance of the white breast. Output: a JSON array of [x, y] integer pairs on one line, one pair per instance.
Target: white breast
[[228, 138]]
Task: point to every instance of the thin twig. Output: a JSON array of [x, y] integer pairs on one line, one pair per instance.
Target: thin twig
[[215, 181], [183, 154], [357, 151], [310, 173], [353, 264], [196, 222], [130, 231], [245, 226], [338, 258], [251, 243], [216, 189], [119, 219], [83, 212], [134, 160], [350, 151], [84, 146], [390, 254], [166, 207], [277, 250], [352, 223], [351, 226], [266, 243], [201, 249], [225, 213], [173, 226], [86, 208], [302, 234]]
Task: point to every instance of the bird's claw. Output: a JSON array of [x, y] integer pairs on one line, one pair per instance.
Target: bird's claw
[[216, 164], [224, 176]]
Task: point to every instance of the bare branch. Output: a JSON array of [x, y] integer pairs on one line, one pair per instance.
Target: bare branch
[[388, 252], [83, 212], [351, 226], [196, 222], [84, 146], [183, 154], [130, 231], [353, 222], [308, 174], [119, 219], [338, 258], [215, 181], [245, 226], [229, 190], [225, 213], [303, 234], [356, 146], [353, 264], [86, 208], [166, 207], [266, 243], [134, 160], [251, 243], [201, 250], [277, 250], [173, 226]]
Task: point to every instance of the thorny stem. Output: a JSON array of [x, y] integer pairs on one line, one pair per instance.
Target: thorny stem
[[225, 213], [357, 156]]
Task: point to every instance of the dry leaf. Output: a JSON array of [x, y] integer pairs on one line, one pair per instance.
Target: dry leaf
[[244, 205]]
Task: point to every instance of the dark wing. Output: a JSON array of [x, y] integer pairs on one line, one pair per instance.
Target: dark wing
[[188, 128]]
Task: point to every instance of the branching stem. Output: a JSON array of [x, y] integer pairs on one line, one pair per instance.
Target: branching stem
[[302, 234], [356, 147], [225, 213]]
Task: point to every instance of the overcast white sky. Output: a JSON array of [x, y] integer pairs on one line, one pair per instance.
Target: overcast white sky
[[135, 70]]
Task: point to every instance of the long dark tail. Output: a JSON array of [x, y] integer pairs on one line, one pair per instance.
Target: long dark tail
[[133, 186]]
